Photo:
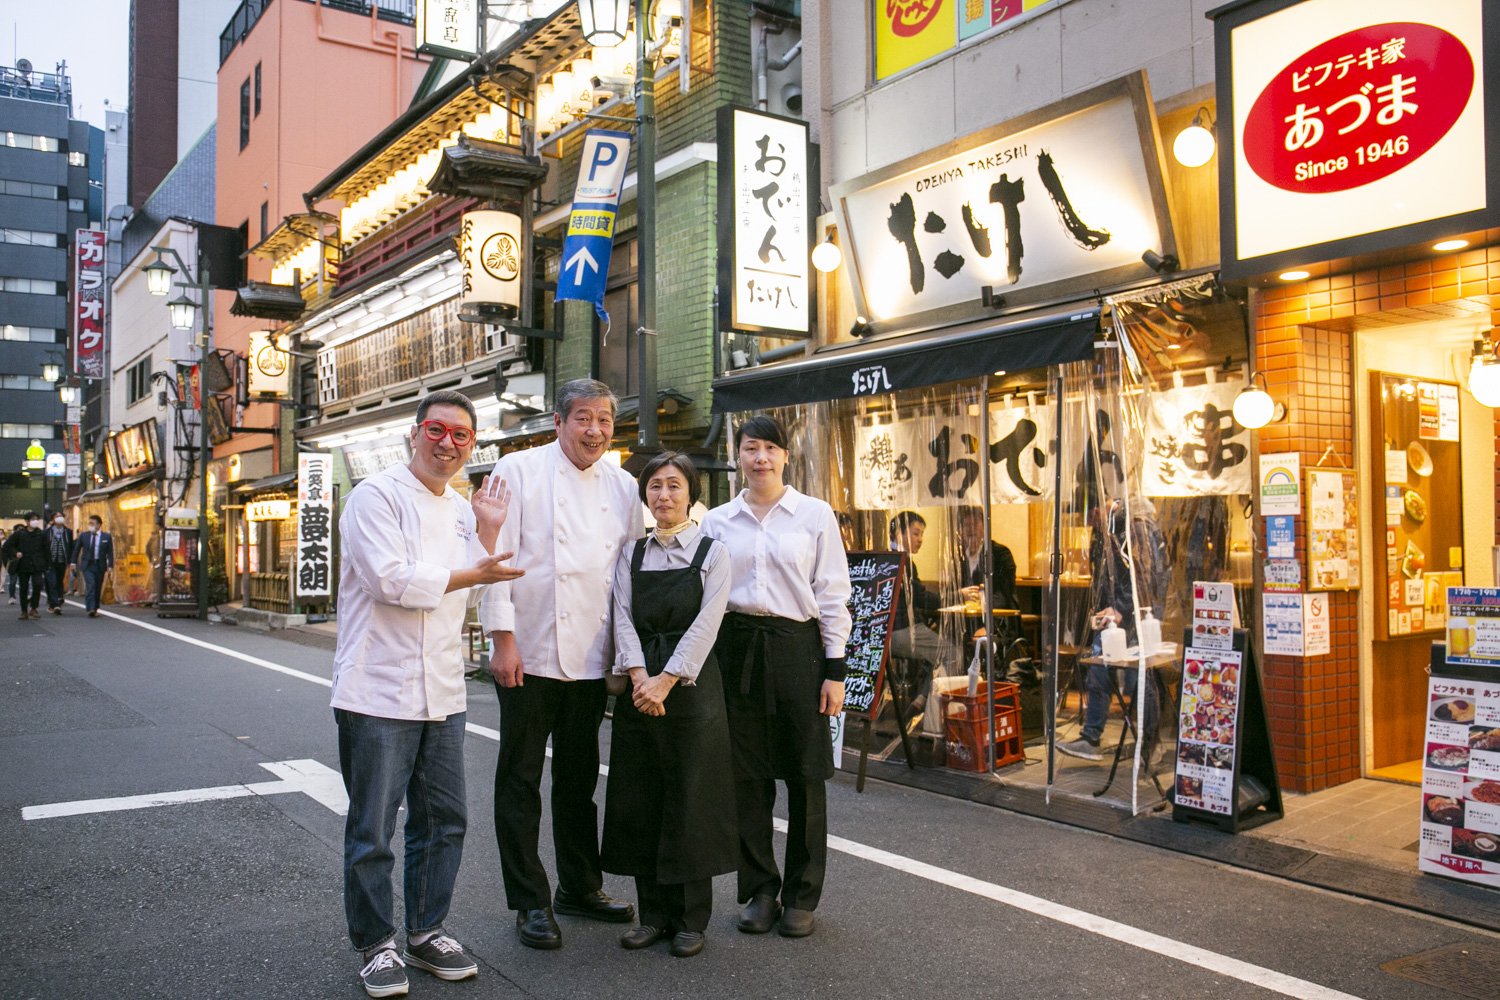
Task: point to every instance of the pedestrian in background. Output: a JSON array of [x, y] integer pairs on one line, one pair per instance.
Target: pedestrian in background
[[27, 546], [95, 558], [59, 556], [7, 566], [669, 804], [415, 557], [574, 513], [782, 652]]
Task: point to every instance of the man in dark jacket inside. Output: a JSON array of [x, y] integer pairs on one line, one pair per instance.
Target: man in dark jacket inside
[[29, 550]]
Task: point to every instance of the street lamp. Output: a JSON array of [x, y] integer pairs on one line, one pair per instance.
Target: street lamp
[[51, 371], [184, 314], [68, 394], [604, 22]]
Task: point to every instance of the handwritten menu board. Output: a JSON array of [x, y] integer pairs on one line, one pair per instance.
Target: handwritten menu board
[[875, 577], [1461, 778], [1332, 529], [1207, 722]]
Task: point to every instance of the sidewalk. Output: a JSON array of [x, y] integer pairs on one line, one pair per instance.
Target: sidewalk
[[1358, 838]]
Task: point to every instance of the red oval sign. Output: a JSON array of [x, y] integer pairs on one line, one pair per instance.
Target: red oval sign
[[1358, 107], [909, 17]]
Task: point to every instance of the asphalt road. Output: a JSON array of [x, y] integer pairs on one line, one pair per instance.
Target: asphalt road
[[238, 894]]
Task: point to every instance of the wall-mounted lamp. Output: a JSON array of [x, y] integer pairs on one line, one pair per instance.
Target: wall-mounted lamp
[[861, 327], [827, 256], [1484, 373], [1254, 407], [1194, 145], [1161, 264]]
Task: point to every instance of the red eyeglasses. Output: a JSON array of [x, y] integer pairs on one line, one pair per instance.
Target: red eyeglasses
[[436, 430]]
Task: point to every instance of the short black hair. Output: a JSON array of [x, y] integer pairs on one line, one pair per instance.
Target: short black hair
[[96, 517], [447, 397], [905, 519], [971, 513], [761, 427], [682, 464], [30, 514]]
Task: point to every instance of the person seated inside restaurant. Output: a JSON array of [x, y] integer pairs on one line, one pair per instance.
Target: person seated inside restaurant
[[971, 542], [1113, 601], [912, 637]]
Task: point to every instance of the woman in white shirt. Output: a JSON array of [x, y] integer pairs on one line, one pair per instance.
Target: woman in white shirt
[[669, 805], [781, 649]]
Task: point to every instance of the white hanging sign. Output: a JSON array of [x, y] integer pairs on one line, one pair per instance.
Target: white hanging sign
[[1194, 447], [448, 27], [268, 364]]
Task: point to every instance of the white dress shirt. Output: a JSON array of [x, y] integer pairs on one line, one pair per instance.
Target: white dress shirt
[[791, 565], [398, 653], [697, 642], [566, 527]]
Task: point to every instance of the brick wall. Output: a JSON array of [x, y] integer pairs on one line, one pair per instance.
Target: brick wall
[[1304, 345]]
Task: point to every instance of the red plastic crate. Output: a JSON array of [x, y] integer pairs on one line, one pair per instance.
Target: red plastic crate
[[966, 723]]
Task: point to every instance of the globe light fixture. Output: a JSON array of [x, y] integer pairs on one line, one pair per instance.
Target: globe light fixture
[[1194, 145], [1484, 374], [1254, 407], [827, 256], [604, 22], [184, 312], [159, 276]]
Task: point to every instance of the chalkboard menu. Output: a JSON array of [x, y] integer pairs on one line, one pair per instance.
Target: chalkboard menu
[[875, 577]]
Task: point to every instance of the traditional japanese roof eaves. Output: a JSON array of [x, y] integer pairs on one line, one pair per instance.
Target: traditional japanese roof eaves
[[291, 233], [264, 300]]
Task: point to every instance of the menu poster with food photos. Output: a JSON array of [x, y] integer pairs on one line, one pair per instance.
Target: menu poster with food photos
[[1473, 624], [1332, 529], [1207, 723], [1460, 834]]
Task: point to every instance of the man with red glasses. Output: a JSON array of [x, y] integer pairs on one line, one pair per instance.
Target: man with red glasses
[[416, 556], [553, 646]]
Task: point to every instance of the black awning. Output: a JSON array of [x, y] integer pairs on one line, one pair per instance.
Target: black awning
[[911, 362]]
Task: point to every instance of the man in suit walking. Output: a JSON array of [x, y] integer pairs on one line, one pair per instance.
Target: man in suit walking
[[94, 556]]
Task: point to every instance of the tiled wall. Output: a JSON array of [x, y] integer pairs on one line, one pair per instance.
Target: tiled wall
[[1304, 347]]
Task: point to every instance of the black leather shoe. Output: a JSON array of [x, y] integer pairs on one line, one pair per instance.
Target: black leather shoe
[[686, 944], [594, 905], [643, 936], [759, 915], [795, 922], [537, 929]]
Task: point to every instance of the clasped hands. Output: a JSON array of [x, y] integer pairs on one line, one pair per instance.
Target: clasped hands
[[649, 694]]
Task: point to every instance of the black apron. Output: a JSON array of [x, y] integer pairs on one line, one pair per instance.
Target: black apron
[[669, 808], [773, 678]]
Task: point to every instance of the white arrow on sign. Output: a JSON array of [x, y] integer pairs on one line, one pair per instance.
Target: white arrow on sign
[[321, 784], [582, 259]]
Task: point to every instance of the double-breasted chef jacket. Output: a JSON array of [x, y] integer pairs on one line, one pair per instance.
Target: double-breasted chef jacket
[[566, 527], [399, 653]]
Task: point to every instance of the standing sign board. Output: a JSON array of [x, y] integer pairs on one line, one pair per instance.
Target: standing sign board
[[89, 355], [1460, 831], [765, 216], [591, 224], [874, 576], [1336, 116], [314, 525]]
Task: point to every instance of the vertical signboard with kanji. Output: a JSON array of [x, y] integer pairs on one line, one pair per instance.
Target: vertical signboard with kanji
[[88, 303], [314, 526], [765, 222]]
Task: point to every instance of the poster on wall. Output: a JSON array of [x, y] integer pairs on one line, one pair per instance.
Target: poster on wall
[[1281, 483], [935, 461], [1213, 615], [1332, 529], [1207, 730], [1194, 446], [1460, 833], [1281, 624], [1473, 622]]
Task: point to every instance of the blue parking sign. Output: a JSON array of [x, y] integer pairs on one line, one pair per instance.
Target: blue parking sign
[[591, 223]]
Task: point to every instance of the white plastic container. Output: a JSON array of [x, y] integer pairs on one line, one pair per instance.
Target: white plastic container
[[1150, 633], [1112, 642]]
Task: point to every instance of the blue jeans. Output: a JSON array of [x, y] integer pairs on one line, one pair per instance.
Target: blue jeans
[[384, 761]]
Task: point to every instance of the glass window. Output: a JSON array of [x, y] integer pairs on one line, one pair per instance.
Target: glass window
[[138, 380], [14, 430], [78, 159], [245, 113], [257, 90], [75, 205]]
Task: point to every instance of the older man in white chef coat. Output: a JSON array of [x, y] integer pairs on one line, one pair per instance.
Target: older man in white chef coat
[[553, 645], [415, 557]]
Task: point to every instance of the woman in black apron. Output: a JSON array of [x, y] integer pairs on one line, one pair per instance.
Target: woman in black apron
[[781, 648], [669, 803]]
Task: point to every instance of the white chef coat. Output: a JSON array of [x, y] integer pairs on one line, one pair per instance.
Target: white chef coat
[[791, 565], [398, 653], [566, 527]]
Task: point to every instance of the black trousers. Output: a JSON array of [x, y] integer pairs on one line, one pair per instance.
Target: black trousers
[[31, 589], [675, 906], [57, 575], [806, 841], [570, 712]]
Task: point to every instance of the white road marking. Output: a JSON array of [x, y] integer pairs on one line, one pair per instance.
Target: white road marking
[[320, 783], [1255, 975]]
